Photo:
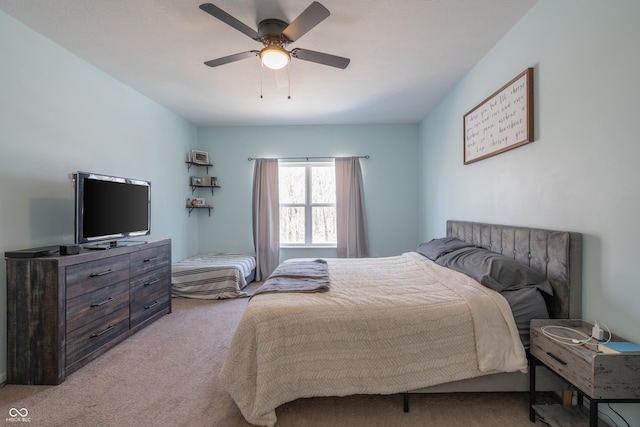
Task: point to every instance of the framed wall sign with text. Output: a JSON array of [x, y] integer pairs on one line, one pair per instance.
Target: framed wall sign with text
[[502, 121]]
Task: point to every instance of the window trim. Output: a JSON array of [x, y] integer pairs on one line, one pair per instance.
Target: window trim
[[308, 205]]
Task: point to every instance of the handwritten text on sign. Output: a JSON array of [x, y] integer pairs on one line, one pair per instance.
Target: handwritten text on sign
[[502, 122]]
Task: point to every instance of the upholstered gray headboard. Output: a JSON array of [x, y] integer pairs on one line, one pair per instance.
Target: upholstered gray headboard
[[557, 254]]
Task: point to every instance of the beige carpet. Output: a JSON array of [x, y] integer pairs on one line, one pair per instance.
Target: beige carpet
[[166, 375]]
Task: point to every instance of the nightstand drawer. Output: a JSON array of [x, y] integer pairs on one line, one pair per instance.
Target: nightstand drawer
[[564, 360]]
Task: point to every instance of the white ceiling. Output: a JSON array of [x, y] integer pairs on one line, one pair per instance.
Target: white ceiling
[[405, 54]]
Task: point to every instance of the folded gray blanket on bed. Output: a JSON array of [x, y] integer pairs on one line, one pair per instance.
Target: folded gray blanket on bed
[[297, 276]]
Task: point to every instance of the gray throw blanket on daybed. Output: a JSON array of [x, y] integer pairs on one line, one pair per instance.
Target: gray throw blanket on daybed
[[297, 276]]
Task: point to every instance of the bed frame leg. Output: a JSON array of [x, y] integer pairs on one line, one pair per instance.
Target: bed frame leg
[[405, 402]]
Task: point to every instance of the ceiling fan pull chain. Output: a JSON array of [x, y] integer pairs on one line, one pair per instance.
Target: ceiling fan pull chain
[[289, 79], [261, 67]]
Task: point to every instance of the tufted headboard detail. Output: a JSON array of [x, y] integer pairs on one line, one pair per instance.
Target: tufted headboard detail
[[557, 254]]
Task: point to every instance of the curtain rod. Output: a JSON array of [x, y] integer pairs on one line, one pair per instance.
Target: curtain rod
[[308, 158]]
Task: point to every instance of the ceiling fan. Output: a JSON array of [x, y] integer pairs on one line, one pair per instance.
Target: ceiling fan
[[275, 35]]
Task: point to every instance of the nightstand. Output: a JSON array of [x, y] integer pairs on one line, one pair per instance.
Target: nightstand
[[600, 377]]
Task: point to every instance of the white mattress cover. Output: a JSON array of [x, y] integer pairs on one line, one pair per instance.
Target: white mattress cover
[[212, 276]]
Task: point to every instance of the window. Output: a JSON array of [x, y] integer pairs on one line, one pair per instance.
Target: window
[[307, 204]]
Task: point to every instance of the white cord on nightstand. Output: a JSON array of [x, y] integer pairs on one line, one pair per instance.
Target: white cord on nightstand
[[583, 338]]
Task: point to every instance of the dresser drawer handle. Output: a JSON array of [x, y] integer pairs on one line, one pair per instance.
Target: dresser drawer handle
[[150, 259], [557, 358], [97, 334], [156, 302], [97, 304], [101, 273], [153, 282]]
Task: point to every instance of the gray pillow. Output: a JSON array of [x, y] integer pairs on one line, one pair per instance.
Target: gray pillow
[[435, 248], [526, 304], [494, 270]]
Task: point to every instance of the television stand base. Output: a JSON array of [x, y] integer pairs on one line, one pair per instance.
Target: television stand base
[[99, 246], [114, 244]]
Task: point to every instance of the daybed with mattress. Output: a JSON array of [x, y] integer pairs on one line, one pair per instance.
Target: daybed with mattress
[[212, 276], [404, 323]]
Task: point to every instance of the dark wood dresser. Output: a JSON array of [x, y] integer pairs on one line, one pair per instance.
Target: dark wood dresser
[[64, 311]]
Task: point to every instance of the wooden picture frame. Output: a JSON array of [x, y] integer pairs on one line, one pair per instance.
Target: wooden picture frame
[[196, 202], [209, 181], [199, 157], [501, 122]]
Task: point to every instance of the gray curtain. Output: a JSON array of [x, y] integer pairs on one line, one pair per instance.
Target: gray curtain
[[266, 217], [353, 238]]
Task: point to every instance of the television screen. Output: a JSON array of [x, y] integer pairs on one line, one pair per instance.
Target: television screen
[[109, 207]]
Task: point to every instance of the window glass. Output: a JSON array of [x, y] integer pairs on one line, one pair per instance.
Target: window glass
[[291, 184], [307, 204], [324, 225], [323, 185], [292, 224]]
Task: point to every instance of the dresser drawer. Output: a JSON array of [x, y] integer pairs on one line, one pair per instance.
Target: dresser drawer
[[92, 275], [146, 304], [150, 281], [149, 259], [91, 306], [88, 338]]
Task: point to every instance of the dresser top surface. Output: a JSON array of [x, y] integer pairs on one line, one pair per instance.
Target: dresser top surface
[[96, 254]]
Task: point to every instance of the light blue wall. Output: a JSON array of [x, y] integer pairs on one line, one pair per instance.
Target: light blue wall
[[389, 177], [581, 173], [59, 114]]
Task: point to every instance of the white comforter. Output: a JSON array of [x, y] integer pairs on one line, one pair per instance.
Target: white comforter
[[387, 325]]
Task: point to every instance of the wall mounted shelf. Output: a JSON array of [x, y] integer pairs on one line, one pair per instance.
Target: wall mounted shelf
[[194, 187], [191, 208], [189, 164]]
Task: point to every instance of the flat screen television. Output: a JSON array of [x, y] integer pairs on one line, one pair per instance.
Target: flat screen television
[[109, 208]]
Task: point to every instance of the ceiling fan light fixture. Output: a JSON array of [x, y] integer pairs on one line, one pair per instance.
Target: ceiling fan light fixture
[[274, 57]]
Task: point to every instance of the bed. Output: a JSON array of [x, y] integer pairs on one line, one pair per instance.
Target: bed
[[396, 325], [212, 276]]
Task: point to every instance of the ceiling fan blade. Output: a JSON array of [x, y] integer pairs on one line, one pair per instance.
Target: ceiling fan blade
[[320, 58], [309, 18], [231, 58], [216, 12]]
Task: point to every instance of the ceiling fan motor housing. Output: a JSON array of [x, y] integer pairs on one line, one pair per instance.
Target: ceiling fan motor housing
[[271, 30]]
